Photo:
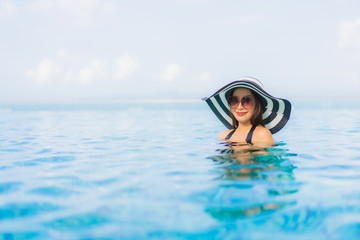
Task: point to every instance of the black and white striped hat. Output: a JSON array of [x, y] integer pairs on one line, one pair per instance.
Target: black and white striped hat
[[276, 110]]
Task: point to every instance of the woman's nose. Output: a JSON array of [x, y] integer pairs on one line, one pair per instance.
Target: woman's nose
[[239, 106]]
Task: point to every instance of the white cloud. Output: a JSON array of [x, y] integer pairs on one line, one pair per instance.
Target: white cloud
[[349, 33], [7, 8], [170, 73], [64, 70], [88, 73], [43, 72], [69, 68], [125, 66]]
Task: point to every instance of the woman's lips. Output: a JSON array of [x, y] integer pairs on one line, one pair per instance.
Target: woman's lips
[[240, 114]]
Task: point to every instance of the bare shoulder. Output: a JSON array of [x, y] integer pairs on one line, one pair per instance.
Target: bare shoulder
[[263, 135], [224, 133], [262, 131]]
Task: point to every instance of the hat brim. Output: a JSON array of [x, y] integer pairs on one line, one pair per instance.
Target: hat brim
[[276, 110]]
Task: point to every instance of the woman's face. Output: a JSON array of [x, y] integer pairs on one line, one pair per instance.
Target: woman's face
[[242, 105]]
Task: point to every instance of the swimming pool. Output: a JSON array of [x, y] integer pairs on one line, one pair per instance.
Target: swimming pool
[[157, 171]]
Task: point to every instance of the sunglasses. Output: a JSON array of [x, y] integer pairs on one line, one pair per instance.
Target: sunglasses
[[247, 102]]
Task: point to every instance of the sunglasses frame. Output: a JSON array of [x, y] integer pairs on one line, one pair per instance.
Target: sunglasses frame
[[246, 102]]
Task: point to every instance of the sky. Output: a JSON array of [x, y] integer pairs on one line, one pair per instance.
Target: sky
[[63, 51]]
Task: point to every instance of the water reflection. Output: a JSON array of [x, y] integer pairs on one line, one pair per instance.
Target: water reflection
[[253, 181]]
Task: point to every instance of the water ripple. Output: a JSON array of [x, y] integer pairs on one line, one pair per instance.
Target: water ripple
[[8, 187], [20, 210], [53, 192], [45, 150], [54, 159], [77, 222], [12, 150], [348, 230], [21, 235]]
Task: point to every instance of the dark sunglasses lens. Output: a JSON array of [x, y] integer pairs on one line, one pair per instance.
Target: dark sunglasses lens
[[233, 101], [246, 101]]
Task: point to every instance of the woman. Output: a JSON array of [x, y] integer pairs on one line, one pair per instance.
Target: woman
[[246, 113], [249, 112]]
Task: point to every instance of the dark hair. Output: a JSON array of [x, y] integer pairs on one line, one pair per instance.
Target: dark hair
[[256, 119]]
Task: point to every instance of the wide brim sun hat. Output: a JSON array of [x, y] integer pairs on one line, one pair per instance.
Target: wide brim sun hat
[[276, 111]]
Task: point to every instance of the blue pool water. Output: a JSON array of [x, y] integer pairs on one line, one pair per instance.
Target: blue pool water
[[157, 171]]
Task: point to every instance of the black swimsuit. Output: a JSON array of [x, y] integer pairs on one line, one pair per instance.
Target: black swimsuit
[[248, 137]]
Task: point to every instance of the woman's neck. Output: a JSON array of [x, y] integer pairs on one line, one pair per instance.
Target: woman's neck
[[244, 125]]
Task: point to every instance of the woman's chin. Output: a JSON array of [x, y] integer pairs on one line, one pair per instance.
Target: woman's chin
[[243, 120]]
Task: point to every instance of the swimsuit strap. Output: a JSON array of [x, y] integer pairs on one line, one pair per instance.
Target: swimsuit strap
[[250, 134], [248, 137], [230, 134]]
